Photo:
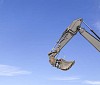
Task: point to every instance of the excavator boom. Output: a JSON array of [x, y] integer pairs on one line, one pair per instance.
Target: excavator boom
[[94, 41]]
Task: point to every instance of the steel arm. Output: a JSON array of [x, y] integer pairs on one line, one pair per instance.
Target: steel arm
[[66, 36], [94, 41]]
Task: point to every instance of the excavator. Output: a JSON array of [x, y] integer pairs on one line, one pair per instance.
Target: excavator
[[66, 36]]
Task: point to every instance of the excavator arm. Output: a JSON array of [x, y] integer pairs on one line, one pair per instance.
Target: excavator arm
[[65, 38]]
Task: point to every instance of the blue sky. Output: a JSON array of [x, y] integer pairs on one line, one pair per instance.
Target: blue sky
[[28, 31]]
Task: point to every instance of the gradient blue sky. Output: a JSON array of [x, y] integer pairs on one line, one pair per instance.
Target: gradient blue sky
[[28, 31]]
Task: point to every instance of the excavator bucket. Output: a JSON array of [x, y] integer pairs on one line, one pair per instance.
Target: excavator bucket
[[61, 63], [66, 65]]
